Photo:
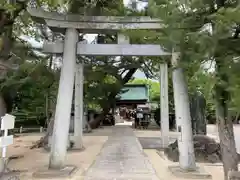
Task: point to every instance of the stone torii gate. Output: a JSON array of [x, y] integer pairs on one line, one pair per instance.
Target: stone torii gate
[[71, 25]]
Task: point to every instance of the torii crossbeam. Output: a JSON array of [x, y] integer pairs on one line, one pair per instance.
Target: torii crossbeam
[[94, 24]]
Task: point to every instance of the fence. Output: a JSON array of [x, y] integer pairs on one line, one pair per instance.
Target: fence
[[29, 130]]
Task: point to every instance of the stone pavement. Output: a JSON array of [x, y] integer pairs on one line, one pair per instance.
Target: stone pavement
[[122, 158]]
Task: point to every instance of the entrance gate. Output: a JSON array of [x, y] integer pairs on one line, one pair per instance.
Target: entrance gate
[[72, 25]]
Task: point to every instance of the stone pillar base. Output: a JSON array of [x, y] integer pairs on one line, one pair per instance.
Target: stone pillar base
[[46, 173], [199, 173]]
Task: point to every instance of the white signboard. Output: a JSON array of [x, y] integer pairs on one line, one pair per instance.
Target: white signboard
[[7, 122]]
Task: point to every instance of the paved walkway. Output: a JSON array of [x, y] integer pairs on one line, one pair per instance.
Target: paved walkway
[[121, 158]]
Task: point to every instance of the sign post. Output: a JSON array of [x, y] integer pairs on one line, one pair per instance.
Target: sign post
[[7, 122]]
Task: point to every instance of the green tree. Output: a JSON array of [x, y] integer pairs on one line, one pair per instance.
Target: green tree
[[206, 30], [27, 88], [14, 23]]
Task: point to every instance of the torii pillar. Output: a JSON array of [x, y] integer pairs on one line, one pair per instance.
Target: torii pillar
[[164, 104], [78, 107], [64, 101]]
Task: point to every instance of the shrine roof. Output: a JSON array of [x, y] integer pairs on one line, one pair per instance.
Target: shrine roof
[[134, 92]]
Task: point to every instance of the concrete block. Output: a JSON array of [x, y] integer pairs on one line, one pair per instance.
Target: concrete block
[[46, 173], [199, 173], [234, 175]]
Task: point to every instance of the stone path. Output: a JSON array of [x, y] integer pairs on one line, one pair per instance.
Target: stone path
[[121, 158]]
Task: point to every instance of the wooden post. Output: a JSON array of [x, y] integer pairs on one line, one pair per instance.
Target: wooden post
[[7, 122], [164, 104], [64, 102]]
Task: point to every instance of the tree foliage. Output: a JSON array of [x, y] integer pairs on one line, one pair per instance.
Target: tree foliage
[[27, 88], [206, 31]]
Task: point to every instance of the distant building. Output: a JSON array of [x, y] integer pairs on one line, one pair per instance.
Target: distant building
[[132, 95]]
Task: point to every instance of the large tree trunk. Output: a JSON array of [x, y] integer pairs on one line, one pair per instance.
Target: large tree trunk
[[96, 122], [5, 50], [3, 108], [111, 100], [6, 41], [43, 142], [224, 122]]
